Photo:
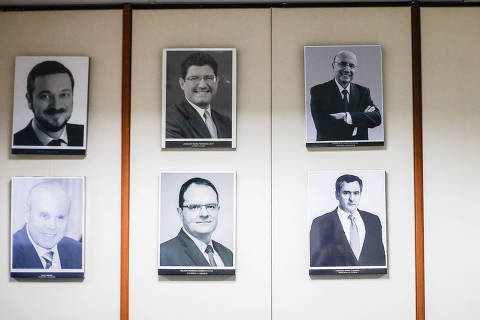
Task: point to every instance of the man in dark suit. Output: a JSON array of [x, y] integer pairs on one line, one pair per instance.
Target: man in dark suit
[[193, 246], [194, 116], [342, 110], [41, 243], [347, 236], [50, 97]]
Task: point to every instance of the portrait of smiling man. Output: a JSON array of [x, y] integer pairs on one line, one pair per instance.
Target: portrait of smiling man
[[42, 243], [198, 210], [348, 236], [342, 109], [51, 94], [50, 98], [197, 111]]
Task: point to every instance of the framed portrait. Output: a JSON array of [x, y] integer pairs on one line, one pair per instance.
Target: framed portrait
[[50, 105], [347, 222], [196, 224], [343, 96], [199, 98], [47, 227]]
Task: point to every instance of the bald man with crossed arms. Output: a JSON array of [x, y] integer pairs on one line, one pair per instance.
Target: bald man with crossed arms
[[341, 109]]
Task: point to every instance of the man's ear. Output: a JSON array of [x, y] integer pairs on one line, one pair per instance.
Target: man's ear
[[181, 81], [29, 100], [180, 212], [337, 195]]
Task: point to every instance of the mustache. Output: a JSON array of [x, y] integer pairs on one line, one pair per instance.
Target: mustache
[[53, 111]]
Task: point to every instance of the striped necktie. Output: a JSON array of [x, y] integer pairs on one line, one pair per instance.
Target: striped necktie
[[210, 124], [211, 260], [48, 257]]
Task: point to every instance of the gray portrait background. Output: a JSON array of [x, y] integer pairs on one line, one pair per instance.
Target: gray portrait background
[[78, 66], [73, 186], [169, 220], [318, 69], [321, 194], [222, 102]]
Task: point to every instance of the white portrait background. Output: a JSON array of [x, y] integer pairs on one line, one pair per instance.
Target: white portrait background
[[321, 194], [318, 69], [78, 66], [169, 220], [73, 186]]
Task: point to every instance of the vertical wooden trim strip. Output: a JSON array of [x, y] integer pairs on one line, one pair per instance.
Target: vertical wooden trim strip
[[418, 159], [126, 108]]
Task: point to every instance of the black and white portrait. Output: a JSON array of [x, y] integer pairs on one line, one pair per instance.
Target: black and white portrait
[[47, 227], [197, 223], [199, 98], [347, 215], [50, 105], [343, 95]]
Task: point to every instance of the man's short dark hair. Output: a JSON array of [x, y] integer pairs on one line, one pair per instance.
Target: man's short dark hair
[[199, 181], [347, 178], [198, 59], [45, 68]]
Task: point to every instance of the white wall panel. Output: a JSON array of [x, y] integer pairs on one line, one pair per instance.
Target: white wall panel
[[295, 294], [451, 116], [97, 34], [189, 297]]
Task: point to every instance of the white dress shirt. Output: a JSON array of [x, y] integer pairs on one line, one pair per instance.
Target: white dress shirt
[[202, 247], [41, 251], [348, 118], [201, 111], [346, 225], [45, 138]]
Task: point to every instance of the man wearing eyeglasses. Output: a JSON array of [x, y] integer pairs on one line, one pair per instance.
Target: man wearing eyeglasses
[[198, 209], [342, 110], [194, 117], [347, 236]]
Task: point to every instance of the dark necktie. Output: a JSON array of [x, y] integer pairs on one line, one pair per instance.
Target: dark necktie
[[345, 99], [48, 257], [55, 143], [209, 251]]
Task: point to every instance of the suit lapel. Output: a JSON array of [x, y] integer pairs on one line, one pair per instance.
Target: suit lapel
[[353, 97], [71, 139], [195, 120], [191, 250], [28, 252], [223, 255], [218, 124], [75, 135], [36, 141], [334, 92], [367, 234], [65, 255]]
